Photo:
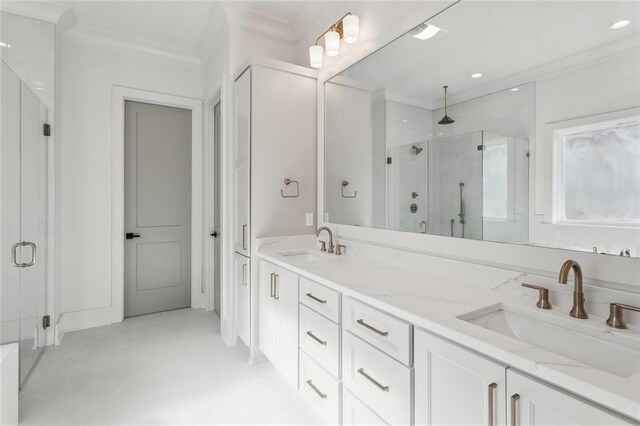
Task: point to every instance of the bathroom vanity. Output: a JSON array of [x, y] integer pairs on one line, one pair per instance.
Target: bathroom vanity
[[370, 342]]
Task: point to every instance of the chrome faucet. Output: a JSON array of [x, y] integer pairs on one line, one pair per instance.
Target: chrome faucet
[[577, 310], [324, 228]]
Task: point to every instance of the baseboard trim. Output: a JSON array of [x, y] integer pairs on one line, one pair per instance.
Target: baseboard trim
[[80, 320]]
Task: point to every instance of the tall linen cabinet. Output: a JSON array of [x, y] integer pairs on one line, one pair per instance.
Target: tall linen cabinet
[[274, 142]]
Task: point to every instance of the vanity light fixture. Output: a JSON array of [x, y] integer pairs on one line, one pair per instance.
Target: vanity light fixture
[[425, 31], [476, 75], [446, 119], [345, 28], [619, 25]]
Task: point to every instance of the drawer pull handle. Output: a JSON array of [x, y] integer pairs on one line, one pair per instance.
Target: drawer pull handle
[[375, 330], [318, 391], [514, 407], [316, 338], [273, 278], [374, 381], [492, 390], [316, 299]]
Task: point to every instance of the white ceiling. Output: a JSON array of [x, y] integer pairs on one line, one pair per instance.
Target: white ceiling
[[497, 39], [190, 28]]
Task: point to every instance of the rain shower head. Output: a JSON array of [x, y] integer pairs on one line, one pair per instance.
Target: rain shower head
[[446, 119], [416, 150]]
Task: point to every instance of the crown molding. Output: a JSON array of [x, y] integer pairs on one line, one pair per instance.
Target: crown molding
[[116, 42], [241, 17], [40, 10]]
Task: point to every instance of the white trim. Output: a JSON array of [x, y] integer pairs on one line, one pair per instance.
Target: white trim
[[118, 97]]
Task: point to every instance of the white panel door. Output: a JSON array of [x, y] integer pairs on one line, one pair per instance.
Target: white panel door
[[532, 403], [268, 335], [157, 208], [243, 297], [9, 205], [454, 386], [241, 158]]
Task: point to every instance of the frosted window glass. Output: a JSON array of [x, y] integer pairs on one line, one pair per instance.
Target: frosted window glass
[[602, 175], [494, 181]]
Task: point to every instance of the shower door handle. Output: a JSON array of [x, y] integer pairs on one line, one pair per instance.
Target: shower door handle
[[34, 254]]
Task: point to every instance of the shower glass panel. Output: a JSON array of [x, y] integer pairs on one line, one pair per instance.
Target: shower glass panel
[[455, 186], [407, 196], [23, 156]]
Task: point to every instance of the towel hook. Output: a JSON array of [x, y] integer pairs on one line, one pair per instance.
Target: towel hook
[[344, 184], [288, 182]]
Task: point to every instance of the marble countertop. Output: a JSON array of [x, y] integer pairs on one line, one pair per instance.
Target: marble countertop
[[434, 303]]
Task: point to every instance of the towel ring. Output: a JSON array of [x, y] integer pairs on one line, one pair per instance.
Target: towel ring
[[344, 184], [288, 182]]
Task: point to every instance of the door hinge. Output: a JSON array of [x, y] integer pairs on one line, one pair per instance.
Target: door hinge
[[46, 129], [389, 160], [46, 321], [480, 147]]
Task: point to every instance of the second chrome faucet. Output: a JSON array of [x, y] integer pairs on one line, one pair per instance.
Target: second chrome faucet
[[337, 249]]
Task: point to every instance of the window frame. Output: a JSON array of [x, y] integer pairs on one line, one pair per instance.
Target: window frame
[[587, 124]]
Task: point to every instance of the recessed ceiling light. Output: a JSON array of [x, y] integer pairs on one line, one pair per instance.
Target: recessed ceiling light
[[405, 121], [620, 24], [3, 44], [476, 75], [425, 31], [514, 89]]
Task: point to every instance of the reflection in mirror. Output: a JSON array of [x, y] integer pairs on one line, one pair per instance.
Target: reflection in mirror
[[535, 138]]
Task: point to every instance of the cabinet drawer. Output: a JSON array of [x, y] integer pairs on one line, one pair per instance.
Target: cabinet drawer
[[320, 298], [387, 333], [355, 413], [320, 389], [377, 380], [320, 339]]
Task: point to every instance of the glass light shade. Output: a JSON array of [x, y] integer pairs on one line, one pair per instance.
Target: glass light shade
[[332, 43], [316, 54], [350, 26]]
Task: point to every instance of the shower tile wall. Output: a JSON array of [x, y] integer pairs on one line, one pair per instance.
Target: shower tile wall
[[406, 126]]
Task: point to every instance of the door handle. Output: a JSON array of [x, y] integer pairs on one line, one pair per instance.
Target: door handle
[[131, 235], [491, 403], [214, 234], [244, 237], [244, 274], [14, 257], [514, 407]]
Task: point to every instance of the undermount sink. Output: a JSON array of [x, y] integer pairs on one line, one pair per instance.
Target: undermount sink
[[599, 348], [306, 256]]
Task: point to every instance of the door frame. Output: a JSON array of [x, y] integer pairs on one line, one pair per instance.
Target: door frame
[[210, 186], [119, 96]]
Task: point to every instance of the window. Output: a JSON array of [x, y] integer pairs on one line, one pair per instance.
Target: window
[[598, 173], [494, 181]]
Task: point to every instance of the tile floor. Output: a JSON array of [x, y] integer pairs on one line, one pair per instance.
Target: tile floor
[[166, 368]]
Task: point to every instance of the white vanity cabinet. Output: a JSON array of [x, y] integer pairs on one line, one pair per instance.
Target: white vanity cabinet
[[274, 161], [456, 386], [279, 318], [533, 403], [241, 279]]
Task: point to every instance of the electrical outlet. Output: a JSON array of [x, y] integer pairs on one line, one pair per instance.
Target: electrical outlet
[[309, 219]]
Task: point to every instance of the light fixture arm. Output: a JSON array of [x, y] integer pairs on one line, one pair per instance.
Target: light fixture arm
[[335, 26]]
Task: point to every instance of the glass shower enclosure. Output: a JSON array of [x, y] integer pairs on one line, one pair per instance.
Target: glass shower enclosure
[[23, 218], [473, 185]]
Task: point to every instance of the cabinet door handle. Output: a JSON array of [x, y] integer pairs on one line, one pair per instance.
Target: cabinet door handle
[[273, 276], [316, 338], [318, 391], [374, 381], [369, 327], [491, 403], [311, 296], [275, 286], [514, 409], [244, 237], [244, 274]]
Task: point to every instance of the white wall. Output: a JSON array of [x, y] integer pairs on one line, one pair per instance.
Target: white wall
[[87, 76]]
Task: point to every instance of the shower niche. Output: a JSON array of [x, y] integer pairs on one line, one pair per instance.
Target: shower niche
[[473, 185]]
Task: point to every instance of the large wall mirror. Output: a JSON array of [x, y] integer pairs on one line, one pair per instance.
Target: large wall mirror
[[535, 140]]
